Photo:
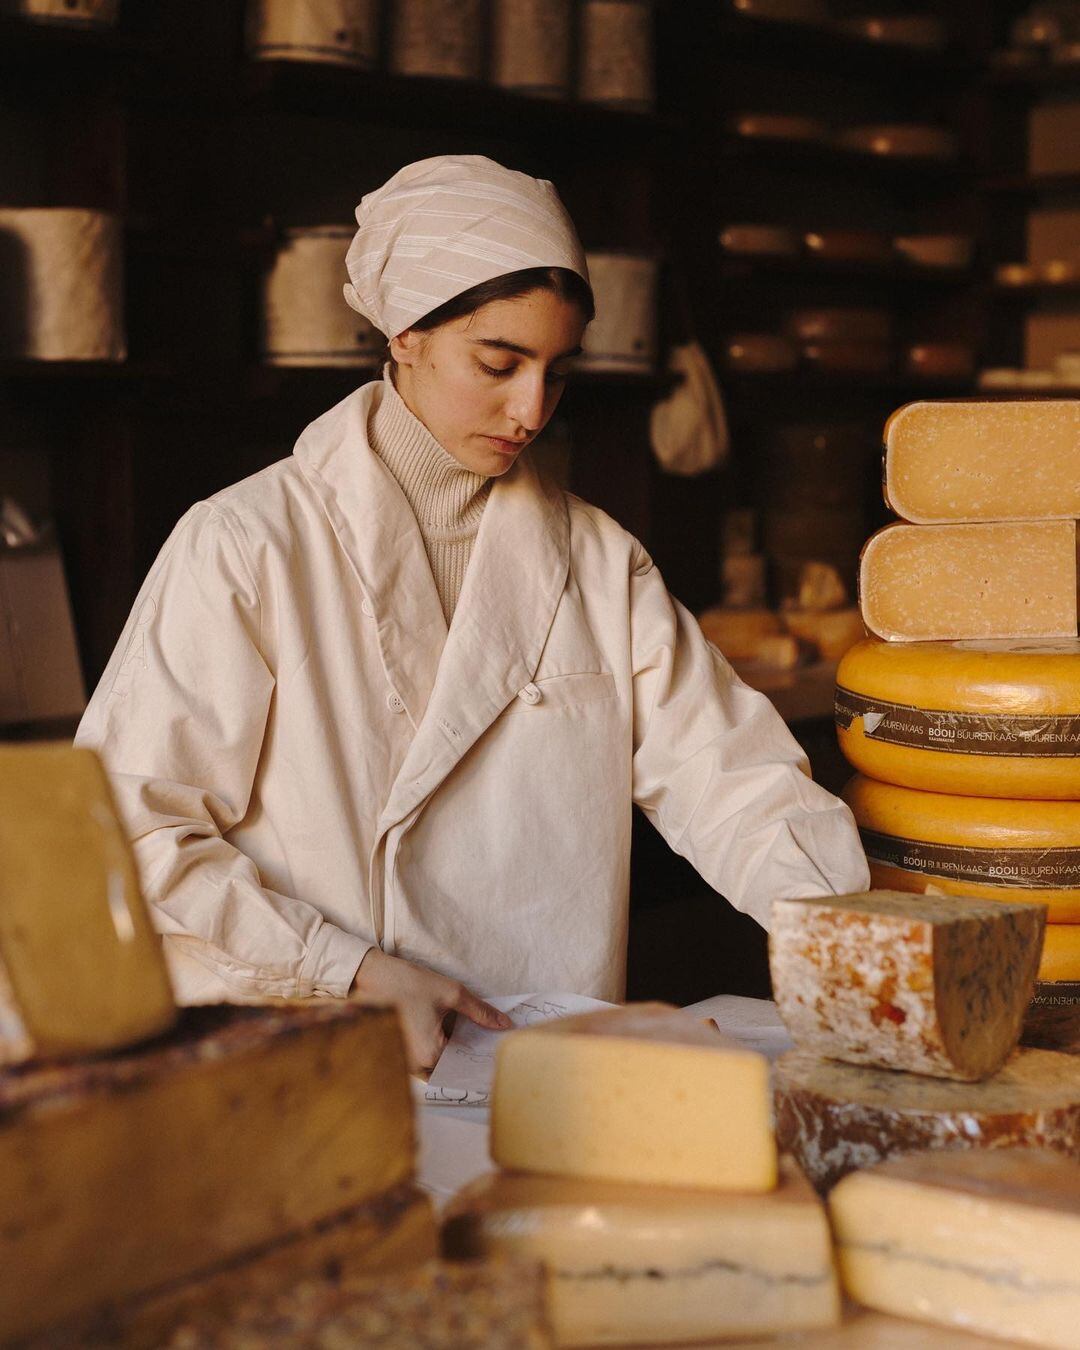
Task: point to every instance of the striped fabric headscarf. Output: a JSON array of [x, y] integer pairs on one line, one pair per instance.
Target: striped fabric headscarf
[[443, 225]]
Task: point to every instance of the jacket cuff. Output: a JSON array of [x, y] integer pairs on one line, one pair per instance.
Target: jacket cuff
[[331, 963]]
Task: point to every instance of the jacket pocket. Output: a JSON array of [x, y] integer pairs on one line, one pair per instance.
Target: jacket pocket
[[568, 691]]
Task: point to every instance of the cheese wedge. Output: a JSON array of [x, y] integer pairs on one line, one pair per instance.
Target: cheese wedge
[[838, 1117], [985, 1241], [984, 847], [932, 984], [162, 1163], [631, 1265], [984, 461], [978, 719], [950, 582], [81, 969], [644, 1093]]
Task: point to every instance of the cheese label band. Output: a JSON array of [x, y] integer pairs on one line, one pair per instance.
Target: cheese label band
[[1037, 736], [1022, 868], [1056, 994]]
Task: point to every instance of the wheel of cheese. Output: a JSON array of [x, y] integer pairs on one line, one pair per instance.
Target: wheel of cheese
[[985, 847], [1061, 953], [978, 719], [836, 1118]]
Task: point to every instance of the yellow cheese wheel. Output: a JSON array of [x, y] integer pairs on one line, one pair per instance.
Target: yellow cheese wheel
[[985, 847], [1061, 952], [979, 719]]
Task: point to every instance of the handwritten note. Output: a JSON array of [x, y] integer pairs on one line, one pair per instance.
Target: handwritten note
[[466, 1068]]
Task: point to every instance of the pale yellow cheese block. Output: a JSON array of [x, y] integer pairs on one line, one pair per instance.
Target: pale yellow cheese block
[[630, 1264], [644, 1093], [934, 985], [831, 632], [738, 633], [81, 969], [992, 580], [972, 461], [162, 1163], [985, 1240]]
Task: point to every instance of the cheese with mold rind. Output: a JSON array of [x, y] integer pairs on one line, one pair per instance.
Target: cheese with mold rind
[[838, 1117], [632, 1263], [642, 1093], [931, 984]]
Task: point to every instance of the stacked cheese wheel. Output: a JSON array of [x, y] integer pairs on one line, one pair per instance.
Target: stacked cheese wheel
[[963, 714], [906, 1011]]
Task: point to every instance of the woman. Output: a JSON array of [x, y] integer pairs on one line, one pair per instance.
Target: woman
[[380, 712]]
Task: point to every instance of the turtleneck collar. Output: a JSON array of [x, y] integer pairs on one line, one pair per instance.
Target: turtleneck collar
[[446, 498]]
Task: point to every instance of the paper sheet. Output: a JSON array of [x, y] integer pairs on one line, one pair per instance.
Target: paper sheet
[[466, 1068]]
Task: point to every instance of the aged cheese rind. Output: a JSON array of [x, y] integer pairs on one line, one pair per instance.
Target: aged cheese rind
[[121, 1174], [643, 1093], [388, 1233], [933, 985], [984, 461], [951, 582], [986, 1241], [837, 1117], [482, 1305], [657, 1265], [980, 719], [984, 847], [81, 969]]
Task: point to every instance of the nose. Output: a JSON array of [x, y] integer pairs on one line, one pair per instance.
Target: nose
[[526, 400]]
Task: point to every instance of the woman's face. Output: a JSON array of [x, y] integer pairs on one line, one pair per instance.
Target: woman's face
[[486, 384]]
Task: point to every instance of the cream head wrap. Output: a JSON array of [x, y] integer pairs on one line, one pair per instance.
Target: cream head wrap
[[443, 225]]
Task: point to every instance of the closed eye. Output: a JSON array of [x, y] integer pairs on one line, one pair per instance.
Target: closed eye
[[501, 372]]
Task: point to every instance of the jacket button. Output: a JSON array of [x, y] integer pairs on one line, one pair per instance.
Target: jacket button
[[530, 694], [367, 607], [395, 703]]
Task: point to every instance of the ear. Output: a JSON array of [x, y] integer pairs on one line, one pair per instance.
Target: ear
[[406, 347]]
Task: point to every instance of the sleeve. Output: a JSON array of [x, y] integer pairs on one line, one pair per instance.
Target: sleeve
[[719, 774], [179, 719]]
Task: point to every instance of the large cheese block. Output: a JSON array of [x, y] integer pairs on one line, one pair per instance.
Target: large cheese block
[[631, 1265], [81, 969], [932, 984], [160, 1164], [390, 1232], [1061, 953], [986, 847], [980, 719], [831, 632], [642, 1093], [971, 461], [739, 632], [984, 1241], [992, 580], [439, 1305], [837, 1117]]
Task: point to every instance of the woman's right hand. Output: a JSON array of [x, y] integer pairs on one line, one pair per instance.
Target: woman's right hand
[[426, 1003]]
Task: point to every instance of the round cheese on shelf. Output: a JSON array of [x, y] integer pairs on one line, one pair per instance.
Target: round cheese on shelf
[[836, 1118], [760, 354], [1061, 953], [848, 358], [935, 250], [530, 46], [904, 30], [760, 241], [977, 719], [901, 141], [335, 32], [940, 360], [777, 127], [840, 324], [986, 847], [849, 246]]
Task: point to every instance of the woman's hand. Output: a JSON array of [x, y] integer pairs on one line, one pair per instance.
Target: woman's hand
[[425, 1002]]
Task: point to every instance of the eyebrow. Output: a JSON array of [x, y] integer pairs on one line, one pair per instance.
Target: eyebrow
[[505, 346]]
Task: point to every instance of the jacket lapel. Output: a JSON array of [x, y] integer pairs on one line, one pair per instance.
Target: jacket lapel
[[379, 534], [515, 578]]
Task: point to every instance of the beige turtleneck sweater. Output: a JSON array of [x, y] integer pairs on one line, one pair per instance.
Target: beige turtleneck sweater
[[446, 498]]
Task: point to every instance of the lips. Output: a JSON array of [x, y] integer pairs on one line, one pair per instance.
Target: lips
[[507, 447]]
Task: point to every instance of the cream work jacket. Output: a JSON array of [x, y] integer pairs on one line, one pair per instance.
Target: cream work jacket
[[309, 764]]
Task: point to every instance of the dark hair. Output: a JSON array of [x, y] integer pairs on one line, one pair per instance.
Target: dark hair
[[560, 281]]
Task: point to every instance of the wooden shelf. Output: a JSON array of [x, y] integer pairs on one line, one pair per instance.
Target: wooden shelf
[[1026, 184], [111, 371], [830, 49], [397, 100], [826, 157], [1038, 76], [773, 386], [1036, 290], [764, 271]]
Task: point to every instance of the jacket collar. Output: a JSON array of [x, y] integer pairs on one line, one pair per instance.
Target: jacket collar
[[453, 685]]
